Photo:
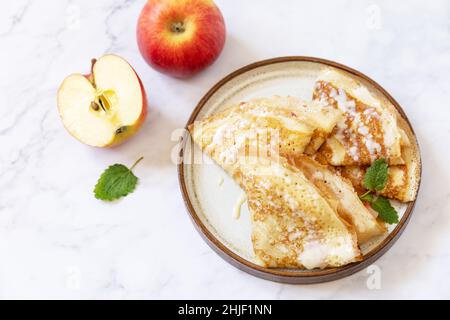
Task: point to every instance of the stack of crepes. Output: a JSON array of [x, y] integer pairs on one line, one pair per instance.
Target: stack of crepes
[[301, 165]]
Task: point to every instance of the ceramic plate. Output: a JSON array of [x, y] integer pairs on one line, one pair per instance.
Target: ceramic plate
[[211, 196]]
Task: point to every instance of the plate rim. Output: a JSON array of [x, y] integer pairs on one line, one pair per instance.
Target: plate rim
[[280, 275]]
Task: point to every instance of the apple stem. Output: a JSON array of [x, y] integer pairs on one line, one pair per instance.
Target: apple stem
[[93, 61], [137, 161]]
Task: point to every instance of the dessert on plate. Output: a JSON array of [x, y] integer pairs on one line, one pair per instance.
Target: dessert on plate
[[302, 165]]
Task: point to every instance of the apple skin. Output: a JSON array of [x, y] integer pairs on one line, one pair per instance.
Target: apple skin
[[180, 54]]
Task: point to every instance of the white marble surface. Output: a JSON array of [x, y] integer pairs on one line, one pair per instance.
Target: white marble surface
[[57, 241]]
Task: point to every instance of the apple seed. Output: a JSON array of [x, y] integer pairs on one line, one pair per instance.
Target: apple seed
[[104, 103], [95, 106]]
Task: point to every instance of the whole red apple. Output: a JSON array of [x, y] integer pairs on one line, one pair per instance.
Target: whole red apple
[[180, 37]]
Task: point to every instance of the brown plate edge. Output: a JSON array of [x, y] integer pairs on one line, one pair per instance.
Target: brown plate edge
[[280, 275]]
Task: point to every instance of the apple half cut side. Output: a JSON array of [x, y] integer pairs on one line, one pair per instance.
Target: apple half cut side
[[106, 107]]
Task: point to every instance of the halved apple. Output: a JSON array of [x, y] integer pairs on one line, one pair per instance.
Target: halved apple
[[106, 107]]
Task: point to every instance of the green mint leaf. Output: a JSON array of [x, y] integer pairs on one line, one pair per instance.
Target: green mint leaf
[[385, 210], [367, 197], [115, 182], [377, 175]]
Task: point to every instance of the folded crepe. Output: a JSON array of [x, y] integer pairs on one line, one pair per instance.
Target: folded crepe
[[340, 194], [280, 126], [321, 118], [402, 182], [368, 130], [293, 225], [403, 179]]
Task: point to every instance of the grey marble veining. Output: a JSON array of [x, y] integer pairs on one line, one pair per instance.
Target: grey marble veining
[[57, 241]]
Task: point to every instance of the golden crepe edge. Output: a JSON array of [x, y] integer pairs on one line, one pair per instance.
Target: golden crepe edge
[[368, 129], [340, 193]]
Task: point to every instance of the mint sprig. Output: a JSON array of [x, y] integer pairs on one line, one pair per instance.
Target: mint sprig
[[367, 197], [385, 210], [375, 180], [377, 175], [115, 182]]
